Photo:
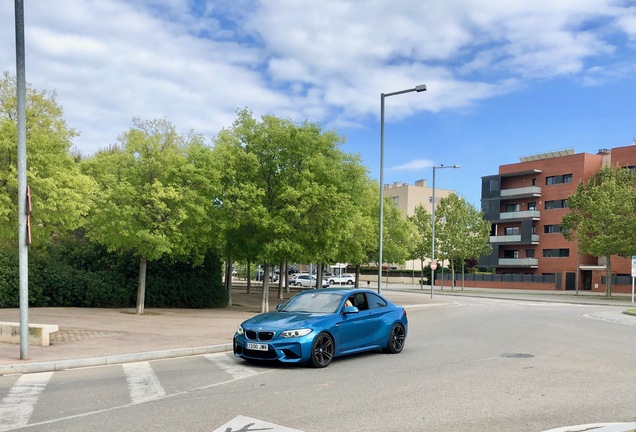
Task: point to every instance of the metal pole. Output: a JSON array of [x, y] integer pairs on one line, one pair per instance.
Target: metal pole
[[433, 234], [417, 88], [23, 251], [381, 192]]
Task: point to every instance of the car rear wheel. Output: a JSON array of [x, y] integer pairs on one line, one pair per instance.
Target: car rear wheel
[[298, 284], [322, 350], [397, 338]]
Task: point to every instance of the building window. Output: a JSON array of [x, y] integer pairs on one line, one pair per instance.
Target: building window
[[396, 201], [532, 205], [511, 231], [556, 204], [512, 208], [533, 230], [511, 254], [552, 180], [556, 253], [529, 253], [494, 185], [534, 182], [549, 229]]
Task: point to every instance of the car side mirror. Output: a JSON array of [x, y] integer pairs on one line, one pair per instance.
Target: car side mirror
[[350, 310], [279, 306]]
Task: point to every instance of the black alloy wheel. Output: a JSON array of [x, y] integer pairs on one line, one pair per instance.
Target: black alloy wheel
[[397, 338], [322, 351]]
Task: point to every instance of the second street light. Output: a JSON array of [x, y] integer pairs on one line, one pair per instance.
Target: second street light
[[418, 88], [433, 263]]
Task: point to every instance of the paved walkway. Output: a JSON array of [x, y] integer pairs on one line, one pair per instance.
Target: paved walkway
[[89, 337], [95, 336]]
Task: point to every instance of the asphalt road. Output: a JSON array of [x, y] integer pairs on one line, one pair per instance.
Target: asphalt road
[[480, 365]]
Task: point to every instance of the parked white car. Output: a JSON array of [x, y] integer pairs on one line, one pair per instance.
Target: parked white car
[[305, 280], [348, 279]]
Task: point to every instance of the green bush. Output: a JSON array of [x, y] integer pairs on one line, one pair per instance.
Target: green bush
[[76, 273]]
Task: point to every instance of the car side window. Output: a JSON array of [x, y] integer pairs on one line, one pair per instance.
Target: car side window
[[360, 301], [375, 301]]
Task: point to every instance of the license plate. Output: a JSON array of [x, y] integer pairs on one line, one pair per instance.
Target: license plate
[[257, 346]]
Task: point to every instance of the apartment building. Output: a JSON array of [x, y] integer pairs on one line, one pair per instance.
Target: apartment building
[[526, 201]]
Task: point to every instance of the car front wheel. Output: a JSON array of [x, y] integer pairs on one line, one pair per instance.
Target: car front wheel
[[397, 338], [349, 282], [322, 350], [298, 284]]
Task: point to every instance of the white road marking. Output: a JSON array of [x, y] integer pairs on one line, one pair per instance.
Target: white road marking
[[17, 407], [242, 423], [229, 364], [143, 384]]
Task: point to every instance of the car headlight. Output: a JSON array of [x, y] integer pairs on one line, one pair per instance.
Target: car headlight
[[295, 333], [240, 330]]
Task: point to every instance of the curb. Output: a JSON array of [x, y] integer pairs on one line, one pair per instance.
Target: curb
[[56, 365]]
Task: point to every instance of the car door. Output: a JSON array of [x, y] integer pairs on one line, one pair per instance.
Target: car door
[[357, 330]]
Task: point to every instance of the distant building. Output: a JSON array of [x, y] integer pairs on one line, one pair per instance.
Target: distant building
[[406, 198], [526, 201]]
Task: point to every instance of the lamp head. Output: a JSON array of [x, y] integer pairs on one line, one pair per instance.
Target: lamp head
[[420, 88]]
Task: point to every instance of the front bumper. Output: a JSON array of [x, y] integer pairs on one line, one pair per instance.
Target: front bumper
[[287, 351]]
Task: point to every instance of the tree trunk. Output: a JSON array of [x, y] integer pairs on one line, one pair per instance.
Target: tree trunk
[[281, 269], [608, 278], [265, 296], [452, 274], [228, 280], [141, 288], [249, 277], [357, 276], [463, 274]]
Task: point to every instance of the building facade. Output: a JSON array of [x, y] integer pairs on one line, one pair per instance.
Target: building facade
[[526, 201], [407, 197]]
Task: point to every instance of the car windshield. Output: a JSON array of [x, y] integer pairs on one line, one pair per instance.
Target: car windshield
[[314, 303]]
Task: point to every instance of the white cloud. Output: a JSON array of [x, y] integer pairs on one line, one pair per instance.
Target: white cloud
[[414, 165], [197, 62]]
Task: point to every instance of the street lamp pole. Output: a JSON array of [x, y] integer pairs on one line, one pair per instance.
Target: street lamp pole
[[433, 266], [418, 88]]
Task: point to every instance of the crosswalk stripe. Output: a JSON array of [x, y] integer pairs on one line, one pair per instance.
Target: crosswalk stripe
[[17, 407], [231, 366], [143, 384]]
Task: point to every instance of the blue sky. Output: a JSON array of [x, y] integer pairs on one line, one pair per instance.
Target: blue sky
[[505, 79]]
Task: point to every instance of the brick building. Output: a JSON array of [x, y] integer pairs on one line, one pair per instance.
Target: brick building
[[526, 201]]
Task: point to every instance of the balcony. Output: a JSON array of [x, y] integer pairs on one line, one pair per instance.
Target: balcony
[[527, 214], [512, 239], [518, 262], [524, 192]]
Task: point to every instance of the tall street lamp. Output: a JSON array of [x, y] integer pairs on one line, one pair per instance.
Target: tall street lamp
[[433, 263], [418, 88]]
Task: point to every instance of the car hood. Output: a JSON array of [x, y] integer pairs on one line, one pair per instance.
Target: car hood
[[284, 320]]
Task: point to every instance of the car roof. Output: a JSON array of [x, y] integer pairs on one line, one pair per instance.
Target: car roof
[[342, 291]]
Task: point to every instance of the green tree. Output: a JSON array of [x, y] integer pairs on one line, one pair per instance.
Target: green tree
[[286, 192], [399, 235], [602, 217], [155, 196], [461, 232], [421, 220], [60, 193]]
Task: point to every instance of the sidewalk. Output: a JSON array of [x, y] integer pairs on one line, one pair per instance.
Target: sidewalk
[[91, 337]]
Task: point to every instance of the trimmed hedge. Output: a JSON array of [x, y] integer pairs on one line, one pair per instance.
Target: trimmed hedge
[[77, 273]]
